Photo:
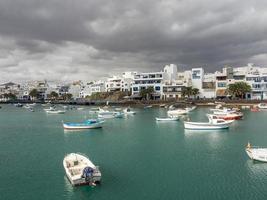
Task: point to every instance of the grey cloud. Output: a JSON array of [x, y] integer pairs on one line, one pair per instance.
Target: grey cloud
[[86, 39]]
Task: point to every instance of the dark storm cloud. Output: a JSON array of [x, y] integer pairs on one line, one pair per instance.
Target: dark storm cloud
[[85, 39]]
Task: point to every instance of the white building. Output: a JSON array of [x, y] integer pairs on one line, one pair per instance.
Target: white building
[[113, 84], [150, 79], [175, 82], [75, 89]]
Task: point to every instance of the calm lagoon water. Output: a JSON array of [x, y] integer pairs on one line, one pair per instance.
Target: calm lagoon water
[[139, 158]]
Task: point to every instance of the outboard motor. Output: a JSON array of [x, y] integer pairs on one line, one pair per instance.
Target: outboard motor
[[88, 173]]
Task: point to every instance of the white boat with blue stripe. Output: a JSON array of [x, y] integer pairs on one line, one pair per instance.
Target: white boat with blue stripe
[[87, 124]]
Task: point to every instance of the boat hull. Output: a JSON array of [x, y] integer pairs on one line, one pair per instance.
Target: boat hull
[[80, 127], [257, 154], [79, 179], [205, 126], [167, 119]]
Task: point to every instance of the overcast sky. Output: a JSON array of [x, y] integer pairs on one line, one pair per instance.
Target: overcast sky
[[91, 39]]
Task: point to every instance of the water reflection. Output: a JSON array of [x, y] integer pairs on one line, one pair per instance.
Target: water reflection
[[256, 168], [190, 133]]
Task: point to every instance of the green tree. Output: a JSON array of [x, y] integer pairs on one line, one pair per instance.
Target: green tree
[[9, 96], [53, 95], [33, 93], [238, 89], [195, 92], [146, 93], [67, 96], [189, 91]]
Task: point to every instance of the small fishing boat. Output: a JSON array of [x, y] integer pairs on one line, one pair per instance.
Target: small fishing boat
[[128, 111], [94, 110], [80, 170], [18, 105], [88, 124], [55, 111], [80, 108], [149, 106], [167, 119], [255, 109], [49, 109], [27, 106], [256, 153], [229, 116], [213, 124], [262, 106], [190, 109], [177, 112]]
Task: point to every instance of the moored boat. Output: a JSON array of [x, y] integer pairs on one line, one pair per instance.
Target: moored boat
[[262, 106], [80, 170], [177, 112], [55, 111], [229, 116], [88, 124], [128, 111], [18, 105], [256, 153], [49, 109], [190, 109], [167, 119], [213, 124], [149, 106]]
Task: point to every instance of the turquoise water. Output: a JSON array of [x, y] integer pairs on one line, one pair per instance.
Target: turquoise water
[[139, 158]]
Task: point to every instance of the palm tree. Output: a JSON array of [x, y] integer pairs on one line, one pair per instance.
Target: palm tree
[[195, 92], [146, 93], [53, 95], [33, 93], [238, 89]]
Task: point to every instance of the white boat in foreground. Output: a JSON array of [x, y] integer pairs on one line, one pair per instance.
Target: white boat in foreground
[[167, 119], [213, 124], [256, 153], [80, 170]]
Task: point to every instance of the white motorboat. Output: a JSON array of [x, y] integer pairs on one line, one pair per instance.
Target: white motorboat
[[106, 114], [213, 124], [167, 119], [80, 170], [257, 153], [177, 112], [262, 106], [149, 106], [190, 109], [49, 109], [88, 124], [229, 116], [27, 106], [128, 111], [80, 108], [55, 111]]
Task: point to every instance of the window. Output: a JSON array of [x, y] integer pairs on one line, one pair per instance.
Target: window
[[256, 86], [135, 88], [222, 84], [157, 88]]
